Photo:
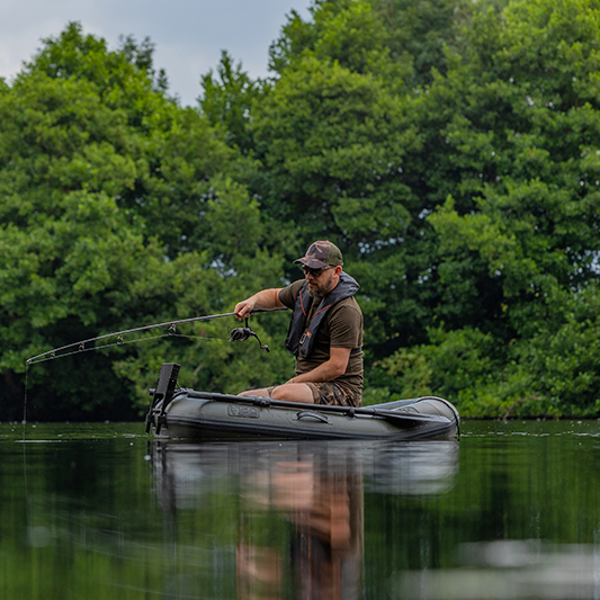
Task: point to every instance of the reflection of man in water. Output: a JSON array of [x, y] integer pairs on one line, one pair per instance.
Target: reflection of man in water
[[326, 508]]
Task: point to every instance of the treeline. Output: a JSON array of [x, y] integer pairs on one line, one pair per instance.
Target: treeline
[[450, 148]]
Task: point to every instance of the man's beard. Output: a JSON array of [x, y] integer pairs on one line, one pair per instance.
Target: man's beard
[[322, 289]]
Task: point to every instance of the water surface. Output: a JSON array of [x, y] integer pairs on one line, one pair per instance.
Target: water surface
[[103, 511]]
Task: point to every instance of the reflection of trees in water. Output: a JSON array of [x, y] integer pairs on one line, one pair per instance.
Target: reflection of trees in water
[[315, 488]]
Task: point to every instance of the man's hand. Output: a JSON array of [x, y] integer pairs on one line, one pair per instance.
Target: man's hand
[[244, 308]]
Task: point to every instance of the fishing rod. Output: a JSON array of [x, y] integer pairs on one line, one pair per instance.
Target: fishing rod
[[238, 334]]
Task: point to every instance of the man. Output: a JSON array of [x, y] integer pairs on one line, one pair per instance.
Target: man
[[325, 334]]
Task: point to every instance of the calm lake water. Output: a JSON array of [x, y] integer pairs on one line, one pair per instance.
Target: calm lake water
[[103, 511]]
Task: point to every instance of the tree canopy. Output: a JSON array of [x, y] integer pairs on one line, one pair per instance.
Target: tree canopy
[[451, 149]]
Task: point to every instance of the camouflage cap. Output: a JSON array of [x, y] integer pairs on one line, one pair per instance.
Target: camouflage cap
[[321, 254]]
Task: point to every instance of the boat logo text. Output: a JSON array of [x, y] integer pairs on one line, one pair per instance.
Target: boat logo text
[[245, 412]]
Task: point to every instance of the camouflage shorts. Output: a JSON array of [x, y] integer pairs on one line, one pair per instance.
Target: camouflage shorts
[[332, 393]]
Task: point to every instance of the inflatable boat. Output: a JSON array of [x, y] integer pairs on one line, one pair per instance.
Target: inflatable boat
[[180, 413]]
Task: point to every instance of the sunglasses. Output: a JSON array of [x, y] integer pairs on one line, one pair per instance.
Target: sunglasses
[[315, 272]]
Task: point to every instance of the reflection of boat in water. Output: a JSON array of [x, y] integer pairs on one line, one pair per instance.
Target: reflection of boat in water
[[189, 414], [183, 472], [316, 487]]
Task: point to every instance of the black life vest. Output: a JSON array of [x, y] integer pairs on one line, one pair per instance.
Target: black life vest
[[299, 339]]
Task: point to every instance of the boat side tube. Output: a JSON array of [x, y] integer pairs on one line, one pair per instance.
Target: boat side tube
[[406, 416]]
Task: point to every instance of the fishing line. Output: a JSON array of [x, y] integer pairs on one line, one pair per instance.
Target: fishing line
[[122, 342], [25, 402]]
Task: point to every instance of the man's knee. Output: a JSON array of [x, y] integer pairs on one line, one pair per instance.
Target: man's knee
[[280, 393]]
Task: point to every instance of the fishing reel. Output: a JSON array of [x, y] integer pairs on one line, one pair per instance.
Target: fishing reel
[[241, 334]]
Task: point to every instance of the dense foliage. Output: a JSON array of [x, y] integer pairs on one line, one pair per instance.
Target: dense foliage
[[450, 148]]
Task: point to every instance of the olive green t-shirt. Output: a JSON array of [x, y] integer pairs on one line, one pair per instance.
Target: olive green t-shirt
[[342, 327]]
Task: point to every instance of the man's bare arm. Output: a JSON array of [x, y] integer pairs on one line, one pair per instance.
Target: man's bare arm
[[264, 300], [327, 371]]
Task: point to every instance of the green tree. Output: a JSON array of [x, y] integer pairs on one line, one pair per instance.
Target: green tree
[[450, 149], [512, 131], [69, 254], [333, 136], [347, 32], [119, 209], [487, 218], [228, 99], [424, 33], [402, 39]]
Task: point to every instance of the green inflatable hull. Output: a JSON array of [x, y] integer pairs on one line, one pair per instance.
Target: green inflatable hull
[[190, 414]]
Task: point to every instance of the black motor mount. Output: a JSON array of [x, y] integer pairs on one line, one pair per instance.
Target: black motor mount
[[165, 388]]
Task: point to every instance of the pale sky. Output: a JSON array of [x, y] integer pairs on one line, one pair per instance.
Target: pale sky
[[188, 34]]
